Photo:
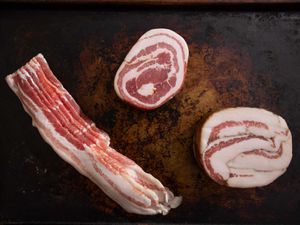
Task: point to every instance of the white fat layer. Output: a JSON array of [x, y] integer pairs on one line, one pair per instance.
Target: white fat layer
[[259, 162], [145, 41], [237, 130], [148, 40], [220, 158], [275, 122], [149, 33], [146, 89], [11, 83], [33, 66], [234, 157], [257, 178], [164, 199]]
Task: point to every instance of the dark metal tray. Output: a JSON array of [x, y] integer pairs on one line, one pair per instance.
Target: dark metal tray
[[239, 56]]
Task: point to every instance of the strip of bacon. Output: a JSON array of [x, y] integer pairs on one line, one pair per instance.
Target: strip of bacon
[[244, 147], [78, 141], [154, 70]]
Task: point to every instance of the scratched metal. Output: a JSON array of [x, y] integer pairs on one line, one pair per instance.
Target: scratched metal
[[236, 59]]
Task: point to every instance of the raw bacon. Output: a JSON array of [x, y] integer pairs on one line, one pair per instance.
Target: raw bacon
[[244, 147], [154, 70], [78, 141]]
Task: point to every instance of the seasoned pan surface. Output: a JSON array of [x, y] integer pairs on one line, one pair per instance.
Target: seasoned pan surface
[[236, 59]]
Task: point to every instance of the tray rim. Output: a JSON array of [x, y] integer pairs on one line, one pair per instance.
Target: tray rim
[[156, 2]]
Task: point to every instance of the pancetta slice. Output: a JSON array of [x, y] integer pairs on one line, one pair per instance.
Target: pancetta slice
[[154, 70], [244, 147], [79, 142]]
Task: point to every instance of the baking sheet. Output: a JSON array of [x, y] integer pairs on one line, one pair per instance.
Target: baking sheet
[[237, 58]]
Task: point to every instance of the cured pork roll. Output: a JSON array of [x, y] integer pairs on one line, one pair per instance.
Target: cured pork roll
[[79, 142], [244, 147], [154, 69]]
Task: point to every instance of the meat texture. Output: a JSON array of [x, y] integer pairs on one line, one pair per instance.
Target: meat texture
[[244, 147], [78, 141], [154, 69]]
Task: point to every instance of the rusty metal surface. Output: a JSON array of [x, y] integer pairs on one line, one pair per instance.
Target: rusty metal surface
[[236, 59]]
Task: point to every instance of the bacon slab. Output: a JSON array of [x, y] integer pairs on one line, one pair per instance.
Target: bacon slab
[[78, 141], [244, 147], [154, 70]]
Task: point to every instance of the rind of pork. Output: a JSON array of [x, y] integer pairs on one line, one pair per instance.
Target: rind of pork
[[133, 71], [243, 147]]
